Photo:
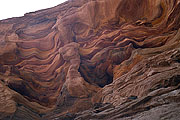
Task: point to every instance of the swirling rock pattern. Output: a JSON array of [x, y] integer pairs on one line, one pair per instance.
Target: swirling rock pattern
[[84, 53]]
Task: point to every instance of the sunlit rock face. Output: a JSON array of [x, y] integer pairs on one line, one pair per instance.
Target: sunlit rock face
[[116, 59]]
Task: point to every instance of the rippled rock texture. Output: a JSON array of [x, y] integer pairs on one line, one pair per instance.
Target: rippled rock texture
[[92, 59]]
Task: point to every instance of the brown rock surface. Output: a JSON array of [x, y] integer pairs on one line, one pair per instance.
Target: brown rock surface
[[92, 59]]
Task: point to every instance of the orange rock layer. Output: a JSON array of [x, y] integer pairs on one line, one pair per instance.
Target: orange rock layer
[[82, 52]]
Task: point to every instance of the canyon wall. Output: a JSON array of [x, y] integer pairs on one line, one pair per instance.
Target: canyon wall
[[92, 59]]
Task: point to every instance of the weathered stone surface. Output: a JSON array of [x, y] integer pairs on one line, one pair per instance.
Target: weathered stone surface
[[92, 59]]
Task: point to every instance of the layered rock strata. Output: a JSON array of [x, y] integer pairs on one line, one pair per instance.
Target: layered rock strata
[[92, 59]]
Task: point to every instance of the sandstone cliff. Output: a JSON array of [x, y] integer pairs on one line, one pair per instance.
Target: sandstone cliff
[[92, 59]]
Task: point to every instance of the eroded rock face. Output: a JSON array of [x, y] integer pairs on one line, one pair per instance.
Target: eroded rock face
[[117, 59]]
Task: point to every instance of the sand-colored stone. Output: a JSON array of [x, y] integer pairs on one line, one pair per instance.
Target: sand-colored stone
[[118, 56]]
